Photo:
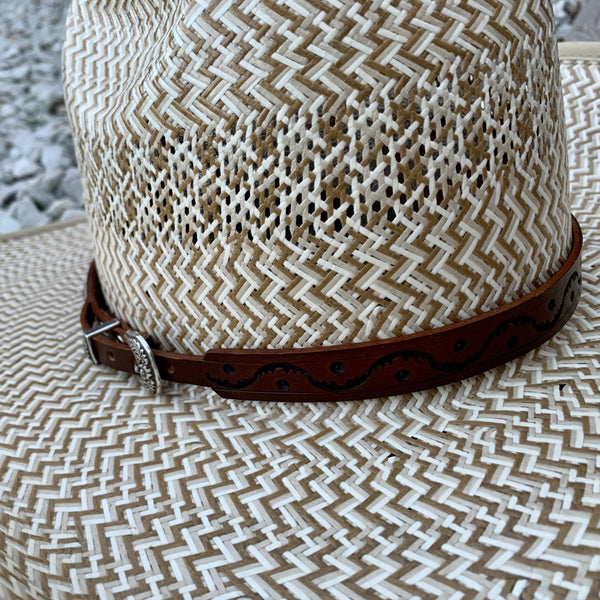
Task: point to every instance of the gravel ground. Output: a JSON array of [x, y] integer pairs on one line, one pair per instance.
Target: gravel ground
[[39, 181]]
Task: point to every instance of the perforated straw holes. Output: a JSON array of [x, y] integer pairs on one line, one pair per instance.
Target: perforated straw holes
[[356, 185], [200, 189]]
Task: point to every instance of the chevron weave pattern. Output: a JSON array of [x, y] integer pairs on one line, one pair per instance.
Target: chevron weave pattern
[[487, 489], [304, 172]]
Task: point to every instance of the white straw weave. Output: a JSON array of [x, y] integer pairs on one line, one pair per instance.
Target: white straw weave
[[488, 489], [299, 172]]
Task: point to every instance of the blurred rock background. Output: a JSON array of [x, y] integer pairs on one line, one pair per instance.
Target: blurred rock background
[[39, 181]]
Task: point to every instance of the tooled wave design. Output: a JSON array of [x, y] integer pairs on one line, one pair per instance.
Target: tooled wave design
[[408, 355]]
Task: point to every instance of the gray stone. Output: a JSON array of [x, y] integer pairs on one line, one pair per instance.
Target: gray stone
[[8, 193], [49, 181], [72, 212], [71, 185], [25, 142], [8, 224], [53, 158], [586, 22], [34, 111], [47, 92], [565, 14], [41, 197], [24, 167], [59, 207], [8, 50], [18, 73], [27, 214], [62, 136], [14, 154], [7, 110], [42, 72], [45, 133]]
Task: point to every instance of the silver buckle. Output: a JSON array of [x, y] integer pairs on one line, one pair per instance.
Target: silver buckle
[[145, 365], [90, 333]]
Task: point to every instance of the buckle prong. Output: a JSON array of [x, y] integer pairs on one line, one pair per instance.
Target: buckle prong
[[90, 333]]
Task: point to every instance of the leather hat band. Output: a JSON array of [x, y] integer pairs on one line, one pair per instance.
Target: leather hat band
[[344, 372]]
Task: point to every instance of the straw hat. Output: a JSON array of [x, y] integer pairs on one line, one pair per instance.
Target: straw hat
[[482, 488]]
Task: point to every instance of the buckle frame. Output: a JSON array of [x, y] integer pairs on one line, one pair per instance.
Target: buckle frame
[[145, 365], [88, 347]]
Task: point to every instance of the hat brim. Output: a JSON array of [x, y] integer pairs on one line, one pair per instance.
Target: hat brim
[[487, 488]]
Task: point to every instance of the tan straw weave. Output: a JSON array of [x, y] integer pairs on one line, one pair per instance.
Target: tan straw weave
[[485, 489], [299, 172]]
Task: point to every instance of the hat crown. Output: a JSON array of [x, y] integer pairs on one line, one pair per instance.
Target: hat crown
[[278, 174]]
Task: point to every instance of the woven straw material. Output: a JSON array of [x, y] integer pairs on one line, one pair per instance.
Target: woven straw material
[[485, 489], [300, 173]]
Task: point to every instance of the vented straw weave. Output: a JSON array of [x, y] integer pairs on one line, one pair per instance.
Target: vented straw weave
[[299, 173], [487, 489]]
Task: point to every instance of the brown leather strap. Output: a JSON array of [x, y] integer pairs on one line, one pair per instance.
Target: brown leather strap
[[363, 370]]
